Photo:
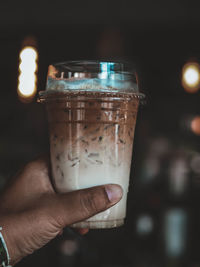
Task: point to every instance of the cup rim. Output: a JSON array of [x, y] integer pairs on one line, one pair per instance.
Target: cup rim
[[84, 65]]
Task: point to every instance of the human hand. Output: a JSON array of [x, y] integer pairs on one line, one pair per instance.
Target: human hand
[[32, 214]]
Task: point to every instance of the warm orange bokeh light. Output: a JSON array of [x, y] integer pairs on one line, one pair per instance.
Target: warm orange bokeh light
[[195, 125]]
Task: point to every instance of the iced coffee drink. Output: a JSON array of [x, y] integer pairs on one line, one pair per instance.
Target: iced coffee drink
[[91, 128]]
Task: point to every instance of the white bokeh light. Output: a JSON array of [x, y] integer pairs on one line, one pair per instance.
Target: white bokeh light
[[191, 77], [27, 84], [28, 53], [27, 80]]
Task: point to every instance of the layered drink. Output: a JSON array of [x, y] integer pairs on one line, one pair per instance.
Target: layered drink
[[91, 137]]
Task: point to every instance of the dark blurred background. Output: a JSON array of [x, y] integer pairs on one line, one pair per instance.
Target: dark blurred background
[[163, 218]]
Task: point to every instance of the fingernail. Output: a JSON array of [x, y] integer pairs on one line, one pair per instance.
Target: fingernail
[[114, 192]]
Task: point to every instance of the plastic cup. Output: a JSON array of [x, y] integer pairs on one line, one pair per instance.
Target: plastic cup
[[92, 109]]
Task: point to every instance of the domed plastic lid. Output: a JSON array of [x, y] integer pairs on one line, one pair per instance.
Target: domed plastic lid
[[92, 76]]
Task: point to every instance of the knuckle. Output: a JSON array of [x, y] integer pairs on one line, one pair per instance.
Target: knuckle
[[88, 202], [50, 211], [30, 167], [37, 166], [93, 201]]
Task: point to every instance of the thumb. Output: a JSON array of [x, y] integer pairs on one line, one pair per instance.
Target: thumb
[[79, 205]]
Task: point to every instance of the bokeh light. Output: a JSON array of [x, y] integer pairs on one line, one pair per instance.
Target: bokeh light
[[27, 80], [69, 247], [195, 163], [195, 125], [178, 175], [191, 77], [175, 233], [144, 224]]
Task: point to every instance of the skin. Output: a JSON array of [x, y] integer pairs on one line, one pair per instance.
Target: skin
[[31, 213]]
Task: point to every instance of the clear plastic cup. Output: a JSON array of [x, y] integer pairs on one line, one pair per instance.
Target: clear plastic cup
[[92, 109]]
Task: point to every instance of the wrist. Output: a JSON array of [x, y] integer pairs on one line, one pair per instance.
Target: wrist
[[4, 255], [8, 236]]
